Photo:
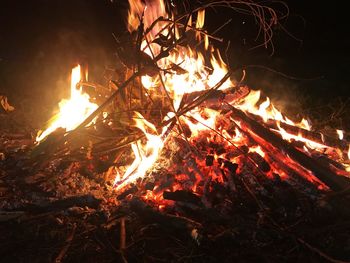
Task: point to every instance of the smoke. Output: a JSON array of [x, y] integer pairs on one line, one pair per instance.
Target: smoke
[[286, 94]]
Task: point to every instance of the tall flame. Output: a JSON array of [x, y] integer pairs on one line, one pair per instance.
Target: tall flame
[[72, 111]]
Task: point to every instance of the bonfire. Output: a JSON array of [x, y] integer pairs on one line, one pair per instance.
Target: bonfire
[[183, 151]]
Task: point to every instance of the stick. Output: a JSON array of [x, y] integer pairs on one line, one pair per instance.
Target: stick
[[310, 135], [259, 132], [122, 234], [66, 246], [108, 101], [169, 222], [320, 253], [80, 201]]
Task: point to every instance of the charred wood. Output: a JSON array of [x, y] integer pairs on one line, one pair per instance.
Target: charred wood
[[169, 222], [75, 201], [258, 131], [310, 135], [182, 196]]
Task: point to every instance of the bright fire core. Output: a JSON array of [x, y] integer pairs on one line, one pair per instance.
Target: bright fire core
[[71, 111]]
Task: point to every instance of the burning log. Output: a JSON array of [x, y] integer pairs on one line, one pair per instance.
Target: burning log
[[266, 137], [260, 161], [310, 135], [215, 97]]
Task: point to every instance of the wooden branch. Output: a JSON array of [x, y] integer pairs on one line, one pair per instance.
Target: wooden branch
[[80, 201], [122, 234], [108, 101], [182, 196], [66, 246], [258, 131], [216, 97], [310, 135], [170, 222]]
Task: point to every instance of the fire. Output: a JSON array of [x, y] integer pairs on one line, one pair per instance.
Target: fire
[[196, 76], [340, 134], [186, 71], [145, 155], [72, 111]]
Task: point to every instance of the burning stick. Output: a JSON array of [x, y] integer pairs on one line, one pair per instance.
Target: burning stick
[[310, 135], [263, 135]]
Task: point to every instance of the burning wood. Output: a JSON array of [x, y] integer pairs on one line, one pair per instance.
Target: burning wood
[[195, 145]]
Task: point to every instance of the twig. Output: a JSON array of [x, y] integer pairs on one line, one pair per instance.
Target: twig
[[108, 101], [122, 234], [67, 245], [320, 253]]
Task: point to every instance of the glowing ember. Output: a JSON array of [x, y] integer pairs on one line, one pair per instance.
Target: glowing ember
[[72, 111]]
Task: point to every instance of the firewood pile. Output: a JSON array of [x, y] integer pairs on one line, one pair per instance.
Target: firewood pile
[[177, 162]]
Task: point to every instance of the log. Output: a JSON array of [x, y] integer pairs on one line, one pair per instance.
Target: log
[[149, 215], [265, 136], [183, 196], [232, 94], [310, 135], [79, 201]]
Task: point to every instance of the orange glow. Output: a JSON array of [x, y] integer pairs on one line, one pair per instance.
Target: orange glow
[[72, 111]]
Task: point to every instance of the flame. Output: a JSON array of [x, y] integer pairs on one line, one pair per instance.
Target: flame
[[200, 19], [340, 134], [258, 150], [72, 111], [145, 155], [195, 76], [148, 11]]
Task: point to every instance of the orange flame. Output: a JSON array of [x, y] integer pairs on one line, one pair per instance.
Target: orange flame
[[72, 111]]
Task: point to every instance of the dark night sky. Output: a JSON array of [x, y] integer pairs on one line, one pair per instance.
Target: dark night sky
[[41, 39]]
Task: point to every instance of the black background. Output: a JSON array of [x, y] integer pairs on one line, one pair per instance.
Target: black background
[[40, 40]]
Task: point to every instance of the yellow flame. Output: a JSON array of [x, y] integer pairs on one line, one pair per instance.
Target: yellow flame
[[201, 120], [311, 144], [268, 111], [72, 111], [200, 19], [340, 134], [145, 155], [150, 10], [258, 150]]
